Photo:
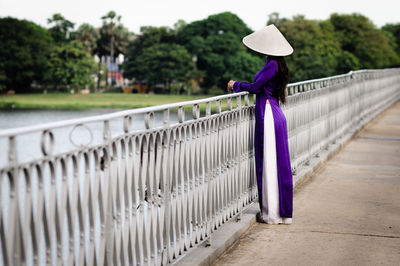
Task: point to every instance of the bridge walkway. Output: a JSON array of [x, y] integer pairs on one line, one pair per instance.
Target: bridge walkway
[[347, 213]]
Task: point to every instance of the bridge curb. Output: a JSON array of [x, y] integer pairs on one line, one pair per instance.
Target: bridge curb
[[227, 235]]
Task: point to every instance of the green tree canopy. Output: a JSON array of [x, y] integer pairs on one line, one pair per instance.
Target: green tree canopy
[[24, 54], [216, 41], [164, 63], [71, 66], [244, 66], [315, 49], [394, 29], [88, 36], [60, 28], [358, 35], [149, 36]]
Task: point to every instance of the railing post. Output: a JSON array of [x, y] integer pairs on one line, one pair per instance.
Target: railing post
[[109, 202], [209, 174], [165, 256], [15, 221], [239, 153], [309, 122]]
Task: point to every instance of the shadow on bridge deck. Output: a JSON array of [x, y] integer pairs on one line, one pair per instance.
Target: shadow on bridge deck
[[347, 213]]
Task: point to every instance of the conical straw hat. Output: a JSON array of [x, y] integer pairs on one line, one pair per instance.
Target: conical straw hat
[[269, 41]]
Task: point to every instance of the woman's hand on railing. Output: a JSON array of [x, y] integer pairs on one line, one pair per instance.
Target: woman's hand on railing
[[230, 85]]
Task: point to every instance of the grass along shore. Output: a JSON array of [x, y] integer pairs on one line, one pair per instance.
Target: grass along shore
[[61, 101], [64, 101]]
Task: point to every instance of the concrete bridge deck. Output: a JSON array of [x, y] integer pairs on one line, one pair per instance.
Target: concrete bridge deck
[[348, 213]]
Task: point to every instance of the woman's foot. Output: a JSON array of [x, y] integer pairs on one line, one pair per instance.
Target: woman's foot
[[287, 220], [260, 219], [283, 220]]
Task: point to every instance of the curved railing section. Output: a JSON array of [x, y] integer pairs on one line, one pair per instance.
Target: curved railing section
[[122, 195], [145, 186]]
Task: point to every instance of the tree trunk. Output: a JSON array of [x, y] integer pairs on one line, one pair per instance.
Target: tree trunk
[[98, 76]]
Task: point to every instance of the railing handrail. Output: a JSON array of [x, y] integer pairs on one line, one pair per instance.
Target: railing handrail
[[97, 118], [338, 76]]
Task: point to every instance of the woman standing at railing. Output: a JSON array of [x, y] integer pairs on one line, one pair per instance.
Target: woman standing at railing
[[273, 171]]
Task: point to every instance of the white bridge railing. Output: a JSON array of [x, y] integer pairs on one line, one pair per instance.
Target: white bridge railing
[[136, 187]]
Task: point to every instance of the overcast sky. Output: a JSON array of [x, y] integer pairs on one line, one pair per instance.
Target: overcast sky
[[136, 13]]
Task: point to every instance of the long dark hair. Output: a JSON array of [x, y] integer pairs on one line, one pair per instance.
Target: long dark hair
[[282, 78]]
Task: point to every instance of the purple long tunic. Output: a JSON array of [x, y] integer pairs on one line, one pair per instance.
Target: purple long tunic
[[263, 86]]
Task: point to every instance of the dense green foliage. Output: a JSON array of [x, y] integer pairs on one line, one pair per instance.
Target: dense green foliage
[[358, 36], [216, 41], [24, 54], [150, 36], [322, 47], [61, 28], [88, 36], [213, 44], [393, 31], [315, 51], [165, 62], [71, 66], [335, 46], [196, 57], [33, 57]]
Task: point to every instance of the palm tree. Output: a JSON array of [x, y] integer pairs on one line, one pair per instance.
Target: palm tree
[[88, 36], [61, 27], [113, 37]]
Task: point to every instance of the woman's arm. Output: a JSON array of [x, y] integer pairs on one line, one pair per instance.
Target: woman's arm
[[256, 87]]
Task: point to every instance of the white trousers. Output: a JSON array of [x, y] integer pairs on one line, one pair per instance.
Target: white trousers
[[270, 189]]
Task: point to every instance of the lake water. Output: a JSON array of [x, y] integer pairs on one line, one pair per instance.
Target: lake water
[[22, 118]]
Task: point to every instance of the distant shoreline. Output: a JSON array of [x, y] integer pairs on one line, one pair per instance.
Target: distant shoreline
[[64, 101]]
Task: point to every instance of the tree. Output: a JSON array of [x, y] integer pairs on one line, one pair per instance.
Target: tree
[[394, 30], [214, 25], [346, 62], [88, 36], [60, 29], [275, 19], [193, 80], [113, 36], [24, 54], [245, 66], [164, 63], [358, 36], [113, 40], [2, 77], [71, 66], [148, 37], [215, 41], [180, 24], [315, 48]]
